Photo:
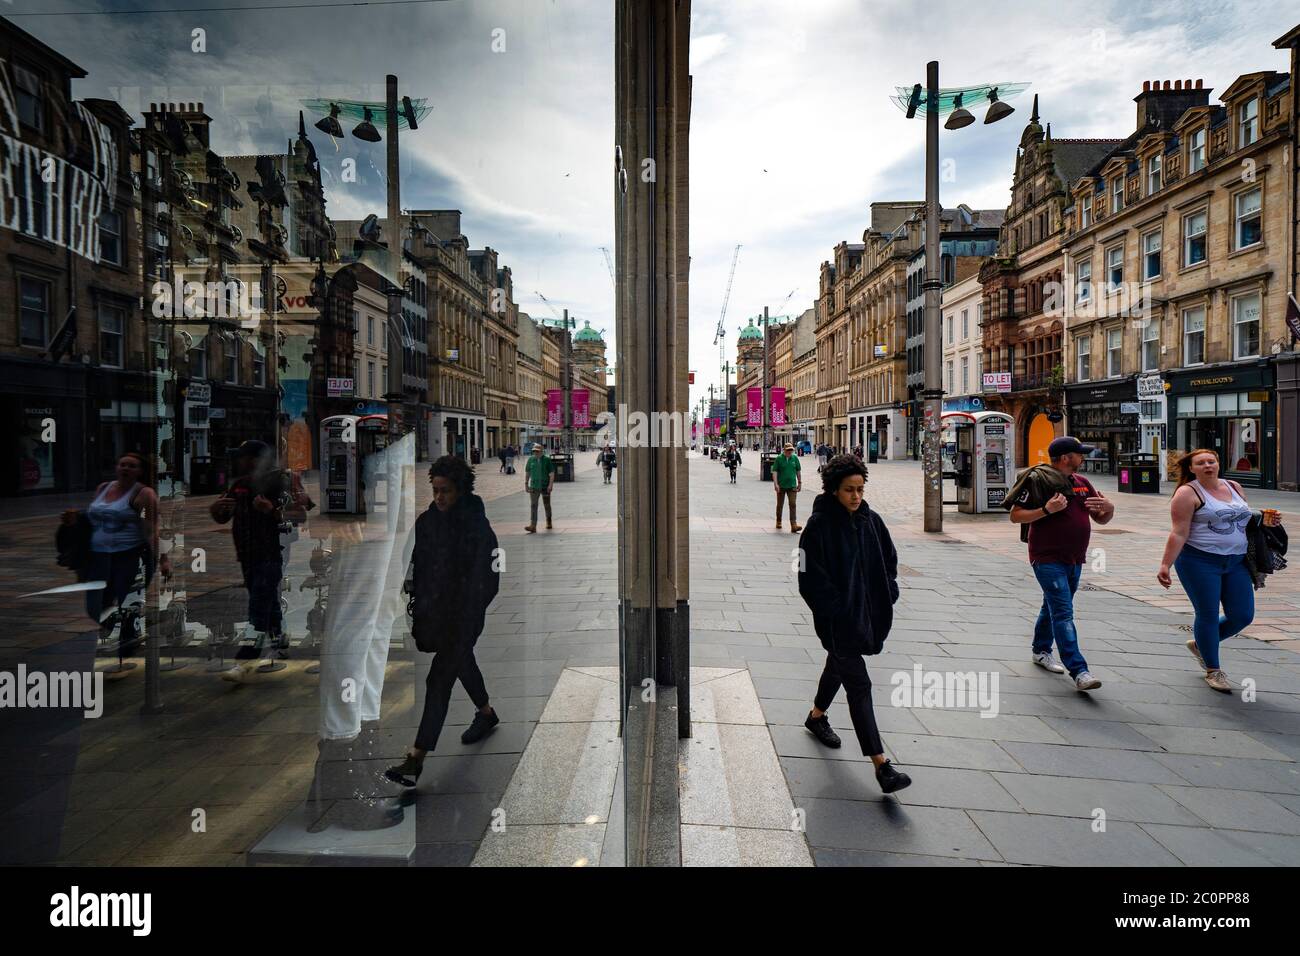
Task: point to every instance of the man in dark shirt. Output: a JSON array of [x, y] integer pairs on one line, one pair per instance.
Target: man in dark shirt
[[1059, 530]]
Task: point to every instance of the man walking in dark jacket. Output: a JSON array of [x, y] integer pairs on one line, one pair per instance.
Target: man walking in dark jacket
[[454, 577], [850, 581]]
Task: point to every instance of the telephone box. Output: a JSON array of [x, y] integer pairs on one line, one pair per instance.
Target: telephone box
[[979, 452], [347, 445]]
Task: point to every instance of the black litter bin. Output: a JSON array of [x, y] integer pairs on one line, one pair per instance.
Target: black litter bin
[[765, 466], [1138, 474], [563, 467], [202, 477]]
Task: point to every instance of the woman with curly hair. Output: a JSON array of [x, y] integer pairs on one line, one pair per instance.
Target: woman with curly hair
[[454, 578], [850, 581]]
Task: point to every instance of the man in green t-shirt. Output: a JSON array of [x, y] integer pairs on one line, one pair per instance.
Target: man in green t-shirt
[[539, 479], [788, 483]]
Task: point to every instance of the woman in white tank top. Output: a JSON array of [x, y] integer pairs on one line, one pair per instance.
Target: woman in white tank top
[[1207, 549]]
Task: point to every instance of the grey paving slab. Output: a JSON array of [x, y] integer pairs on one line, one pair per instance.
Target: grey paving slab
[[1266, 776], [963, 753], [996, 727], [1100, 733], [1197, 846], [825, 856], [1069, 841], [1095, 762], [931, 786], [883, 824], [1213, 743], [737, 846], [1236, 809], [1083, 796]]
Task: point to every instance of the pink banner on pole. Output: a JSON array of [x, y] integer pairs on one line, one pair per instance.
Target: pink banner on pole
[[754, 407], [778, 407], [581, 399], [554, 412]]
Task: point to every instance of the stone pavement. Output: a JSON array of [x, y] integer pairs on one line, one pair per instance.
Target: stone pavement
[[1176, 773]]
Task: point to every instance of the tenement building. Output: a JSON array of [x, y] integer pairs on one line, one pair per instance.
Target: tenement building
[[1176, 256], [1023, 323], [833, 345]]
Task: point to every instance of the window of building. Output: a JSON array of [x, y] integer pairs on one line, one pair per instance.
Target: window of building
[[1115, 268], [29, 98], [34, 309], [199, 361], [1083, 281], [1249, 218], [370, 379], [949, 368], [1151, 255], [1248, 122], [1194, 335], [949, 326], [1117, 194], [1114, 352], [370, 330], [110, 238], [1151, 345], [965, 374], [1154, 180], [1085, 212], [230, 352], [979, 366], [1083, 352], [965, 325], [112, 326], [1196, 151], [1194, 227], [356, 321], [1245, 325]]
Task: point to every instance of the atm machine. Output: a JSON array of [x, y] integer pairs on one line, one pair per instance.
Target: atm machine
[[348, 444], [979, 456]]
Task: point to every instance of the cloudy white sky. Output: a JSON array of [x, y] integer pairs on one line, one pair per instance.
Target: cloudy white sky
[[793, 134]]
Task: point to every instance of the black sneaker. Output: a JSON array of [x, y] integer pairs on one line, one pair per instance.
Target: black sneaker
[[480, 728], [820, 727], [890, 779]]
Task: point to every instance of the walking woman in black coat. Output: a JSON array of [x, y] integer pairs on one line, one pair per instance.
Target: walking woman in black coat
[[850, 581], [454, 578]]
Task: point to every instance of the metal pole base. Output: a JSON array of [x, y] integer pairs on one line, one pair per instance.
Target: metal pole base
[[271, 667]]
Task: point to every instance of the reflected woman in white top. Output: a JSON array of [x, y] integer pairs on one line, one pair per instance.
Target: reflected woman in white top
[[1207, 549]]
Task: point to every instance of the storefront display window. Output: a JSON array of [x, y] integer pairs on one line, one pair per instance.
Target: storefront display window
[[1243, 444]]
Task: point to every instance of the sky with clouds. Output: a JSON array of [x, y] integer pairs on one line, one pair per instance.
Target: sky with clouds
[[793, 133]]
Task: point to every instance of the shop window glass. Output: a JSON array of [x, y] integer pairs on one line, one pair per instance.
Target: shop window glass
[[1227, 404], [1243, 444], [1186, 405], [1205, 404]]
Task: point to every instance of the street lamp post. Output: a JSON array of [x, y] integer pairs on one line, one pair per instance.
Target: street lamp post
[[937, 101]]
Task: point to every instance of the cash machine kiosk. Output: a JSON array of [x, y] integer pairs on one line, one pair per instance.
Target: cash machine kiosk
[[347, 444], [979, 457]]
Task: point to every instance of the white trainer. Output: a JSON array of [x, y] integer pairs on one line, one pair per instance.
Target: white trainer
[[1086, 681], [1046, 661]]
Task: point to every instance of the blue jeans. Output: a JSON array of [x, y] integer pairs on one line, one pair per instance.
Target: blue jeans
[[1056, 619], [1211, 580]]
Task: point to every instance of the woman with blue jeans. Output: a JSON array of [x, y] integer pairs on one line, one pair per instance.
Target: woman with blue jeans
[[1207, 549]]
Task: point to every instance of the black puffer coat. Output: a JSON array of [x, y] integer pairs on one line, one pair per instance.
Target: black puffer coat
[[850, 576], [453, 579]]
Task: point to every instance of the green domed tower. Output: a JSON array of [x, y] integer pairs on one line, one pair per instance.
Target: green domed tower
[[749, 347], [589, 350]]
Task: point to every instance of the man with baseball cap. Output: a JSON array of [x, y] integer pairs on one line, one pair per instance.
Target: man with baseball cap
[[539, 479], [1058, 504]]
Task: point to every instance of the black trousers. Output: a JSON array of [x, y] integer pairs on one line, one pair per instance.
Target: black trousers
[[448, 667], [850, 670]]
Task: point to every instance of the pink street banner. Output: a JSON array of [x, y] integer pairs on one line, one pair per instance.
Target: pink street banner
[[778, 407], [554, 412], [754, 406], [581, 399]]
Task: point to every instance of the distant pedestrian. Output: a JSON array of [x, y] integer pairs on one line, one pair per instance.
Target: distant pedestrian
[[788, 481], [1058, 504], [1207, 547], [608, 461], [850, 582], [501, 454], [823, 455], [731, 458], [539, 479]]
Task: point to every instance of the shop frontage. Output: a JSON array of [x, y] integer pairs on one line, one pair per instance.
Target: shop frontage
[[1231, 409], [46, 424], [1287, 369], [1106, 417]]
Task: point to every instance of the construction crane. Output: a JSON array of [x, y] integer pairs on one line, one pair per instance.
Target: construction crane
[[610, 264], [559, 318], [720, 336]]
